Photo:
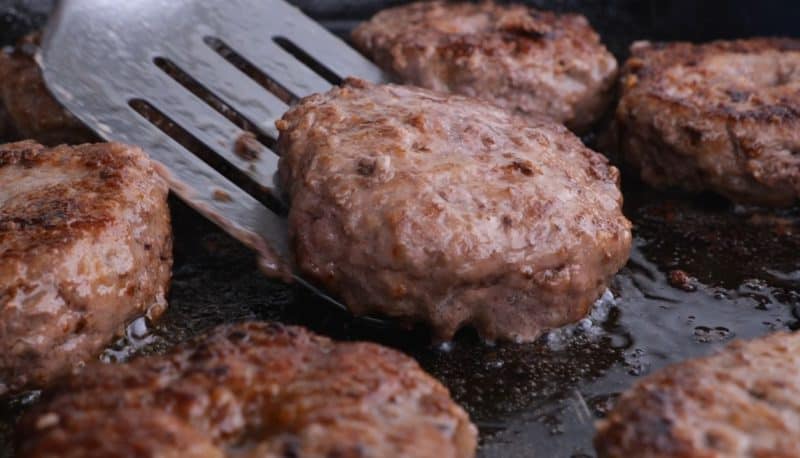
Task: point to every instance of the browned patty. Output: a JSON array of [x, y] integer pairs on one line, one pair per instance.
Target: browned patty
[[533, 62], [741, 402], [722, 116], [27, 109], [447, 210], [85, 246], [252, 390]]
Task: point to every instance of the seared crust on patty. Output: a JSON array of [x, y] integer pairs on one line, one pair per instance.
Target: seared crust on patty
[[85, 246], [529, 61], [31, 111], [446, 210], [741, 402], [253, 390], [721, 116]]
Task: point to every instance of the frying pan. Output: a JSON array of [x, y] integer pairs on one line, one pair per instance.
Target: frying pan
[[537, 399]]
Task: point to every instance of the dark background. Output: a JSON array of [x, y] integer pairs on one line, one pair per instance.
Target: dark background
[[537, 399]]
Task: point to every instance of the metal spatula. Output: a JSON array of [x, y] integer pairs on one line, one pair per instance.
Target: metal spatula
[[193, 66]]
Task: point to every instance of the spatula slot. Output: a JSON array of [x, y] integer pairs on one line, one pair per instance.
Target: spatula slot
[[172, 129], [193, 86], [308, 60], [238, 61]]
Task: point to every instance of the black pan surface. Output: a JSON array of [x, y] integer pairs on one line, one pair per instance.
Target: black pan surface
[[538, 399]]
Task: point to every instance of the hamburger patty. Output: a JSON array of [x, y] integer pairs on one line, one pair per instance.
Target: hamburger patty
[[85, 246], [741, 402], [443, 209], [252, 390], [529, 61], [27, 109], [722, 116]]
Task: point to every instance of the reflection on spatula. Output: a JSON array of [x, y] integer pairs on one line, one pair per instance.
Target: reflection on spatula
[[186, 80]]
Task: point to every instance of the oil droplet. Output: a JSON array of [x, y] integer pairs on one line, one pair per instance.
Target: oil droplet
[[705, 334]]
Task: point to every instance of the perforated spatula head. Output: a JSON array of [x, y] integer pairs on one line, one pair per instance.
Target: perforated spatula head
[[180, 77]]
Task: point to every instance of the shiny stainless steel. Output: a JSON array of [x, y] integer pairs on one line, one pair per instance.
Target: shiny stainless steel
[[98, 55]]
